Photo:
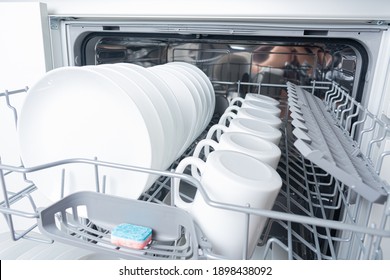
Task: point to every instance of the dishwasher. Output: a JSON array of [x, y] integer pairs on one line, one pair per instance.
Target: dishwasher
[[334, 201]]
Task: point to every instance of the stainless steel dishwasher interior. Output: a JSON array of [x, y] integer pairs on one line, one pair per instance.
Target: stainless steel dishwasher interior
[[316, 215]]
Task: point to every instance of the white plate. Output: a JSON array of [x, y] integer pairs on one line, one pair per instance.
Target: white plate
[[186, 101], [151, 115], [202, 89], [195, 93], [127, 78], [190, 75], [74, 112], [163, 92], [210, 95], [206, 80]]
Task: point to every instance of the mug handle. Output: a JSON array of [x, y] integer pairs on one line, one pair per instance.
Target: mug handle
[[236, 99], [232, 108], [194, 162], [206, 144], [225, 117], [216, 128]]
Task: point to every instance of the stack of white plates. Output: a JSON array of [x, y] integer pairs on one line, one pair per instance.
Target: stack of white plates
[[195, 93], [120, 113]]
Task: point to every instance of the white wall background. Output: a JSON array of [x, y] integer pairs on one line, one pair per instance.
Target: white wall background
[[24, 50]]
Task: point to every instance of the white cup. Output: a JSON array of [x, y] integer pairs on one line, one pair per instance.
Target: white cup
[[246, 143], [250, 113], [232, 178], [250, 126], [262, 98], [256, 104]]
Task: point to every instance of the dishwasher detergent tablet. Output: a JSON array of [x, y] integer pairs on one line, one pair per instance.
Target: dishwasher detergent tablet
[[131, 236]]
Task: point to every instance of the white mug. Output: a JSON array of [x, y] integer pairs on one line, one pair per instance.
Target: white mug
[[251, 126], [246, 143], [250, 113], [256, 104], [232, 178], [262, 98]]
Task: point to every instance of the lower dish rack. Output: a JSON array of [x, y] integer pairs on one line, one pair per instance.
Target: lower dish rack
[[314, 216]]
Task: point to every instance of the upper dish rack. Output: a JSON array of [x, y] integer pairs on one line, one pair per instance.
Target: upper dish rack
[[313, 217], [324, 133]]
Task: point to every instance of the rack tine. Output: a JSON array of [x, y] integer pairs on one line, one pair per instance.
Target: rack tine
[[97, 176], [380, 161], [8, 217]]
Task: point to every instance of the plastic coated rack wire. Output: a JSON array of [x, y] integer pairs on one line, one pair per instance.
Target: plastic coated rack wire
[[313, 217]]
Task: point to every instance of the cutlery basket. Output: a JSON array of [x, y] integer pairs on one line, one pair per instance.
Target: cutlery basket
[[173, 232]]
